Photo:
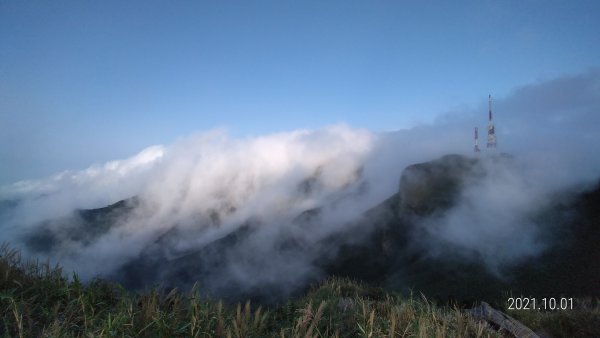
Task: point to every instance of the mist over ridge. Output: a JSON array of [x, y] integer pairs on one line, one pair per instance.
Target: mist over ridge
[[271, 203]]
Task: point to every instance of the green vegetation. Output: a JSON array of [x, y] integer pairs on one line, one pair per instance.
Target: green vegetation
[[37, 300]]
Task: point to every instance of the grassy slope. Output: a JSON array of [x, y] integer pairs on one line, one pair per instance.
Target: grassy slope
[[36, 300]]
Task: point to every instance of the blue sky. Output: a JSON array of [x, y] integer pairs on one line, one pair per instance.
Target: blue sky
[[83, 82]]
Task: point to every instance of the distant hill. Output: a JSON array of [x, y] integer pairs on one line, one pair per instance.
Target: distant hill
[[570, 266], [376, 248]]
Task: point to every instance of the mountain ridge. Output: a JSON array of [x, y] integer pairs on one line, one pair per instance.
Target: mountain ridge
[[378, 247]]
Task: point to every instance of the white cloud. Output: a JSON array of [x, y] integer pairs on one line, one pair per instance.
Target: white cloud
[[209, 184]]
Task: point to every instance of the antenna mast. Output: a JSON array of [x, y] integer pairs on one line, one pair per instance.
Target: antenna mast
[[491, 139], [476, 148]]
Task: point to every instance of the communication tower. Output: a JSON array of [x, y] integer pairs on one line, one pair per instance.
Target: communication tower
[[476, 148], [491, 139]]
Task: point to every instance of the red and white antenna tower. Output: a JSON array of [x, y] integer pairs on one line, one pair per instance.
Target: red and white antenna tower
[[491, 139], [477, 150]]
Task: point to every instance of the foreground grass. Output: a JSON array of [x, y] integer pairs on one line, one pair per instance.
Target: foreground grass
[[36, 300]]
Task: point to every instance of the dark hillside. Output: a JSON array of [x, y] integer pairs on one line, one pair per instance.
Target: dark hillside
[[570, 266], [378, 248]]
